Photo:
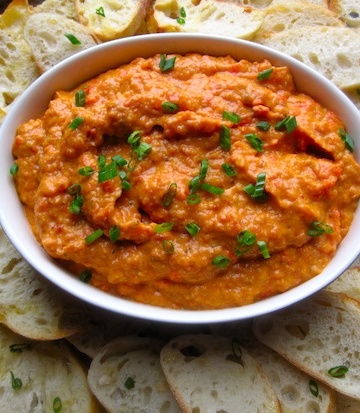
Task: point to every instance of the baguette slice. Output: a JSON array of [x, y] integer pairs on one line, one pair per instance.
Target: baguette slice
[[208, 16], [17, 66], [333, 51], [126, 377], [46, 35], [348, 283], [294, 14], [121, 18], [348, 11], [291, 385], [212, 374], [317, 335], [31, 306], [64, 7], [47, 370], [101, 327]]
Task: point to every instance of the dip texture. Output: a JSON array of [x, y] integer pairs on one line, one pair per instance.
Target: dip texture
[[190, 182]]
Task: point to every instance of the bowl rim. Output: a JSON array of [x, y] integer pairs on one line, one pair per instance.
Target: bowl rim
[[21, 236]]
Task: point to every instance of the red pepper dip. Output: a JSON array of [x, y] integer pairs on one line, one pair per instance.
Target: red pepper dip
[[189, 182]]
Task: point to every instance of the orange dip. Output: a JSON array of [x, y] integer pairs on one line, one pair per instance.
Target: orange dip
[[186, 123]]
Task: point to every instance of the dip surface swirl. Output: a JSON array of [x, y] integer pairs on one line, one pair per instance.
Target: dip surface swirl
[[191, 188]]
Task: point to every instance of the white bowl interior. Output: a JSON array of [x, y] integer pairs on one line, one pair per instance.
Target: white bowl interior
[[91, 62]]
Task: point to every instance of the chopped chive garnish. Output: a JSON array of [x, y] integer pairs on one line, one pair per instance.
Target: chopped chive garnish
[[257, 190], [265, 74], [19, 348], [237, 351], [129, 383], [288, 123], [338, 371], [143, 150], [170, 107], [86, 171], [192, 228], [221, 261], [255, 141], [100, 11], [168, 246], [264, 249], [85, 276], [212, 189], [314, 388], [204, 166], [263, 125], [80, 98], [181, 19], [347, 139], [166, 64], [16, 382], [246, 239], [231, 116], [120, 161], [72, 39], [114, 233], [76, 205], [319, 228], [108, 172], [225, 138], [163, 227], [74, 189], [193, 199], [169, 195], [228, 169], [94, 236], [125, 184], [14, 168], [134, 138], [101, 161], [182, 12], [57, 405], [194, 184], [75, 123]]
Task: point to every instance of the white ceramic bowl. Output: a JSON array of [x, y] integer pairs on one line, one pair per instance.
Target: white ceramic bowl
[[87, 64]]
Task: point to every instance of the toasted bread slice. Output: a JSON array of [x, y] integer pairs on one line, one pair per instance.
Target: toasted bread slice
[[101, 327], [318, 335], [47, 34], [212, 373], [294, 14], [348, 11], [291, 385], [31, 306], [64, 7], [17, 66], [126, 377], [333, 51], [348, 283], [208, 16], [115, 19], [41, 377]]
